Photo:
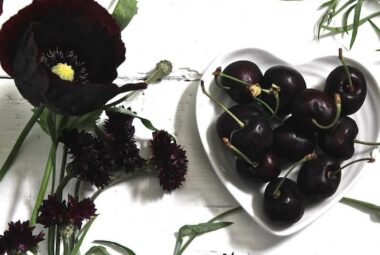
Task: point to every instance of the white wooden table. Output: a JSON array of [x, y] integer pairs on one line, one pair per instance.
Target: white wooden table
[[191, 34]]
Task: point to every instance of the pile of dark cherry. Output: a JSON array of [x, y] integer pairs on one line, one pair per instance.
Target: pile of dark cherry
[[310, 127]]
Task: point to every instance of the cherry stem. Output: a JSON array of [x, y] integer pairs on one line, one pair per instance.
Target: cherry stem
[[239, 153], [345, 68], [337, 115], [366, 143], [276, 192], [6, 77], [369, 160], [240, 123]]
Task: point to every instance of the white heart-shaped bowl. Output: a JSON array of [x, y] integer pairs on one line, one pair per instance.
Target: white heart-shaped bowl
[[250, 196]]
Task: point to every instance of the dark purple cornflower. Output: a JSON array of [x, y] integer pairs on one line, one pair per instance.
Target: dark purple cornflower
[[19, 238], [52, 212], [170, 160], [78, 211], [121, 142], [92, 161]]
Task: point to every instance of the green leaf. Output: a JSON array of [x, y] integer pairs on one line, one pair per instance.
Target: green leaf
[[81, 236], [147, 123], [375, 27], [85, 122], [345, 17], [337, 30], [361, 204], [356, 24], [124, 249], [97, 250], [202, 228], [124, 12]]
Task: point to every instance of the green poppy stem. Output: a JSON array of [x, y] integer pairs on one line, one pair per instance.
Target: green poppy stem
[[12, 155], [43, 187]]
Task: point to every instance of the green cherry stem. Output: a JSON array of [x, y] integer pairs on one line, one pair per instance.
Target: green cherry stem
[[346, 69], [276, 192], [239, 122], [239, 153], [337, 115], [254, 88], [6, 77], [369, 160], [12, 155]]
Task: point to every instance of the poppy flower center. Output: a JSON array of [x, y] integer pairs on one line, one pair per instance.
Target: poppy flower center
[[64, 71], [66, 64]]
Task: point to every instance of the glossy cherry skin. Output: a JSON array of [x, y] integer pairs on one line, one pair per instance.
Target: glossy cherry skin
[[337, 82], [269, 167], [317, 178], [243, 70], [225, 124], [313, 104], [293, 142], [338, 142], [255, 138], [288, 207], [291, 83]]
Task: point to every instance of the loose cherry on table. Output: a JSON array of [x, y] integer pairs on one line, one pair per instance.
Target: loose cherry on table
[[290, 83], [350, 83], [338, 142], [254, 137], [283, 202], [315, 109], [292, 142], [320, 178]]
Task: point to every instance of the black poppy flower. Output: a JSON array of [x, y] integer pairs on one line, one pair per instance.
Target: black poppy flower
[[121, 142], [78, 211], [19, 238], [170, 160], [92, 161], [64, 54], [52, 212]]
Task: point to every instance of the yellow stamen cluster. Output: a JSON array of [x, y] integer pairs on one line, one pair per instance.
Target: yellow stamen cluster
[[64, 71]]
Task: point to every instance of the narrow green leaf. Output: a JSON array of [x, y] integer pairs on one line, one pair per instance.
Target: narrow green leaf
[[20, 140], [85, 122], [337, 30], [124, 12], [356, 24], [97, 250], [345, 18], [343, 7], [147, 123], [202, 228], [360, 204], [375, 27], [326, 4], [81, 236], [126, 250]]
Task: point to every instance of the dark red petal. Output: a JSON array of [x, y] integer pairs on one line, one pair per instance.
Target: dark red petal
[[69, 19], [39, 85]]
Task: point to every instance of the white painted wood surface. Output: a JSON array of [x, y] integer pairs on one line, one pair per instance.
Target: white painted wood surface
[[190, 34]]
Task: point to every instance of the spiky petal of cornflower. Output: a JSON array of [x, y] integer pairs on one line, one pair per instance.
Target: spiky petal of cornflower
[[120, 133], [170, 160], [19, 238], [92, 161], [78, 211], [52, 212]]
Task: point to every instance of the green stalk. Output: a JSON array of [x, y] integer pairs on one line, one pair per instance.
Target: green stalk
[[51, 237], [43, 187], [12, 155], [224, 214]]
